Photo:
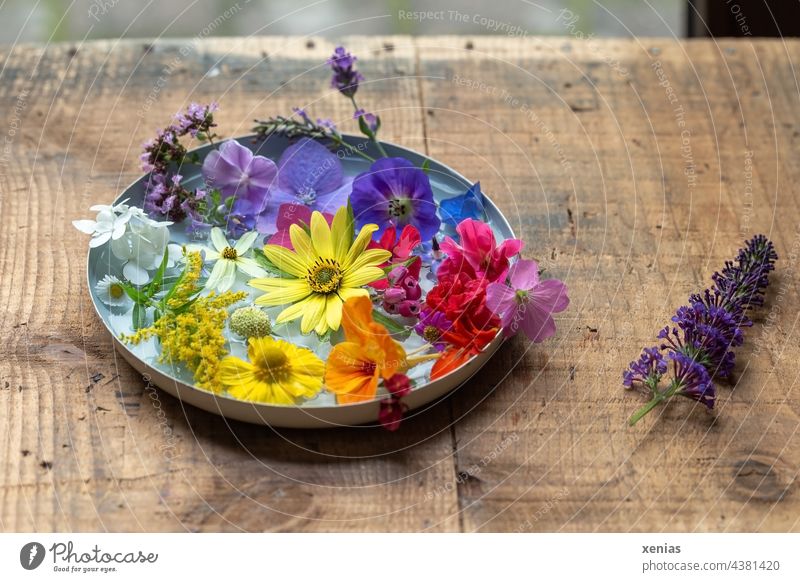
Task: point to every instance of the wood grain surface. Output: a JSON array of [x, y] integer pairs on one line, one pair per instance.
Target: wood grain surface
[[632, 169]]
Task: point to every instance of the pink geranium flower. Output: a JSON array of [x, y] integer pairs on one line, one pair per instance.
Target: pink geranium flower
[[478, 252], [527, 302]]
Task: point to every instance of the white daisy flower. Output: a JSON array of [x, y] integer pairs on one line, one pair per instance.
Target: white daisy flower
[[109, 291], [229, 259]]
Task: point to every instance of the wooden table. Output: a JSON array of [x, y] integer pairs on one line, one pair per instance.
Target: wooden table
[[632, 168]]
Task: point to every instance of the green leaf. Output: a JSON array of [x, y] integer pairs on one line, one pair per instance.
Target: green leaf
[[155, 285], [265, 263], [351, 223], [426, 166], [136, 295], [139, 316], [395, 328]]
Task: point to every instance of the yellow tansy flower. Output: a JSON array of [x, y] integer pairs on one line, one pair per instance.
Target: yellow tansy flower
[[278, 372], [325, 269]]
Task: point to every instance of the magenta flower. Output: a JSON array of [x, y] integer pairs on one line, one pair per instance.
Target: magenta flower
[[478, 253], [528, 302], [235, 171]]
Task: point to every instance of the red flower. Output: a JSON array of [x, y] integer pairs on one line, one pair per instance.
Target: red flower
[[392, 408], [462, 296], [401, 249], [478, 252], [464, 341]]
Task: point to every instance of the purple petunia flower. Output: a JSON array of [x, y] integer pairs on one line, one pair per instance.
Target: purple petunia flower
[[235, 171], [308, 175], [345, 78], [394, 192], [432, 326], [528, 303]]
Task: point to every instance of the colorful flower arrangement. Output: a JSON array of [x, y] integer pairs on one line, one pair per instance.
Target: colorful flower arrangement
[[700, 345], [371, 270]]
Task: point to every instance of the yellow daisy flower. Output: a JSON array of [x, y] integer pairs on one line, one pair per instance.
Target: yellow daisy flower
[[325, 269], [278, 372]]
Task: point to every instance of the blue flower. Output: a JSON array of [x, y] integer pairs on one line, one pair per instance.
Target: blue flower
[[467, 205], [394, 192]]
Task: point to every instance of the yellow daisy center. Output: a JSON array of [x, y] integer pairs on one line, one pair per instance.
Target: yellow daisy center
[[115, 290], [229, 253], [324, 276], [272, 365]]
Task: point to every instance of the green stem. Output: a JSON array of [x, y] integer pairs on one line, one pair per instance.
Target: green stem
[[372, 137], [658, 398], [339, 141], [637, 416]]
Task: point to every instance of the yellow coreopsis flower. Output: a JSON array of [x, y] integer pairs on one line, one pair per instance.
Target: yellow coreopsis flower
[[325, 269], [278, 372]]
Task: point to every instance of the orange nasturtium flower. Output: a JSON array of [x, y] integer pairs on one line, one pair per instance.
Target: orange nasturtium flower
[[368, 353]]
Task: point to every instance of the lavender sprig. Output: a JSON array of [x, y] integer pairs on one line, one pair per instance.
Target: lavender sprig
[[700, 343], [303, 126], [165, 196]]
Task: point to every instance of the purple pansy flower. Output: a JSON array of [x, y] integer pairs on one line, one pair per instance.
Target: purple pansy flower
[[528, 302], [308, 175], [394, 192], [432, 326]]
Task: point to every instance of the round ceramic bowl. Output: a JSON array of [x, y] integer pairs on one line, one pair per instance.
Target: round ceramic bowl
[[321, 412]]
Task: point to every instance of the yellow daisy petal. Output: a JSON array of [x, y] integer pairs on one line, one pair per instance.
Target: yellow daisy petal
[[302, 244], [333, 312], [361, 242], [342, 233], [293, 311], [285, 260], [313, 313], [321, 236], [349, 293], [280, 291], [362, 276], [371, 258]]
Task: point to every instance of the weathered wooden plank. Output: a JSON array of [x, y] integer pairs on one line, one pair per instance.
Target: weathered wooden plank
[[628, 181], [86, 444]]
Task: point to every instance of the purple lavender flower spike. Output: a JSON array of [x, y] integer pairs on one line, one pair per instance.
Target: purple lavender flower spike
[[196, 119], [308, 175], [345, 78], [394, 192], [706, 331]]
